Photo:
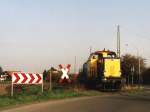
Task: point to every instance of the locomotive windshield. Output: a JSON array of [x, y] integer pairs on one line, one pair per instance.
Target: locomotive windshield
[[103, 54]]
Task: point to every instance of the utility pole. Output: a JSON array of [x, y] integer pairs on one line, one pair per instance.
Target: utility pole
[[132, 72], [139, 71], [75, 61], [90, 49], [118, 41], [50, 79]]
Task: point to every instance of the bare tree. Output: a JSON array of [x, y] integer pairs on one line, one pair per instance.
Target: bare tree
[[130, 61]]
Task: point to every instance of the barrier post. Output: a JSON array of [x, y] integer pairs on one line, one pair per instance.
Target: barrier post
[[50, 79], [12, 89], [42, 83]]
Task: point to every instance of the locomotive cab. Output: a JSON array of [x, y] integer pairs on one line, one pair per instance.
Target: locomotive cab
[[103, 67]]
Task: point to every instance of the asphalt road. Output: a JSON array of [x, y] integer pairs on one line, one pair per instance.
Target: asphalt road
[[109, 103]]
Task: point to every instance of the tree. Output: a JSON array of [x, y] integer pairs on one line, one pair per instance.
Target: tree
[[128, 62], [146, 76], [1, 71]]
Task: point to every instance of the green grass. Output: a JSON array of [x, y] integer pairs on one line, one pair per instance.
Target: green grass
[[33, 94]]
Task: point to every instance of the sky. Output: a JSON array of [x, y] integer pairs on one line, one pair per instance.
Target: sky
[[38, 34]]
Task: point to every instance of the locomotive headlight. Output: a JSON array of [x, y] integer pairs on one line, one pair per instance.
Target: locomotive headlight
[[105, 79]]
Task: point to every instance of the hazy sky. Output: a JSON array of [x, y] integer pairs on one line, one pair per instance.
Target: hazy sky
[[38, 34]]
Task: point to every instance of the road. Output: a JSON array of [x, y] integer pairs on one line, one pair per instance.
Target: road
[[107, 103]]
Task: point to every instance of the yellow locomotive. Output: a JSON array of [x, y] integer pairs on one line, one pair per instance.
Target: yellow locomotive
[[103, 68]]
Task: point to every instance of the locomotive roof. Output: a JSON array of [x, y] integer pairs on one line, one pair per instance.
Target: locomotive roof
[[104, 51]]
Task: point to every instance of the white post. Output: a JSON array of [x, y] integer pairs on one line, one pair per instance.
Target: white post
[[42, 87], [132, 70], [12, 88], [50, 80], [42, 83]]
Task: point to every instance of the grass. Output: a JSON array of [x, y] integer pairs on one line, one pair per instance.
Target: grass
[[33, 94], [132, 89]]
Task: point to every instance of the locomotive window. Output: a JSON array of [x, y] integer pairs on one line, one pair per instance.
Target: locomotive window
[[111, 56]]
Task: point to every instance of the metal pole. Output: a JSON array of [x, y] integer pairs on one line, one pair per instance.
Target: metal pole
[[139, 72], [50, 80], [12, 89], [42, 83], [118, 41], [139, 66], [75, 64], [132, 74], [90, 50], [42, 87]]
